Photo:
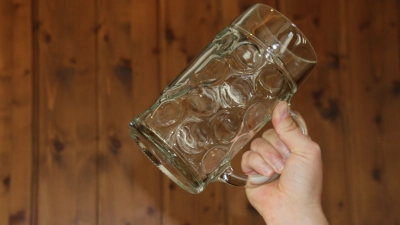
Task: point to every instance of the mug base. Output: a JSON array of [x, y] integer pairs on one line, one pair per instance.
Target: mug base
[[164, 158]]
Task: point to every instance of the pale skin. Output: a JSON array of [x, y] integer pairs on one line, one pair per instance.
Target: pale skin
[[295, 197]]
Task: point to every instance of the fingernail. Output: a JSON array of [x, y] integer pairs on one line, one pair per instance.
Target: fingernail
[[279, 164], [284, 111], [258, 179], [286, 154], [268, 171]]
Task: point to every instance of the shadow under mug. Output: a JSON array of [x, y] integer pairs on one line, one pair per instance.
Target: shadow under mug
[[223, 98]]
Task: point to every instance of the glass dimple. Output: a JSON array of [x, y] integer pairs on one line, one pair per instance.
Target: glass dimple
[[202, 101], [215, 70], [226, 124], [213, 158], [225, 40], [269, 82], [236, 91], [256, 116], [193, 136], [240, 142], [246, 58], [167, 114], [175, 92]]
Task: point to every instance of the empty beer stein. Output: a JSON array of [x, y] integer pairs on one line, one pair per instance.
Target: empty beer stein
[[223, 98]]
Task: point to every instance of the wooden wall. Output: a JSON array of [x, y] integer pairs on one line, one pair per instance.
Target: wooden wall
[[74, 73]]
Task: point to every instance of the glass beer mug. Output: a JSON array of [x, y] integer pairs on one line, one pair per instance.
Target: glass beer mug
[[223, 98]]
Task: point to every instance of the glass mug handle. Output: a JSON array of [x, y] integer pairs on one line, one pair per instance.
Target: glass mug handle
[[239, 179]]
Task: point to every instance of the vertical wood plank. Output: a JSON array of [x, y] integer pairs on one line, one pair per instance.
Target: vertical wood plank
[[15, 112], [373, 95], [239, 210], [68, 130], [5, 110], [180, 31], [186, 28], [321, 99], [129, 185]]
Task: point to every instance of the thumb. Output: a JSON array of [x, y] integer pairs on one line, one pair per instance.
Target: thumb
[[287, 129]]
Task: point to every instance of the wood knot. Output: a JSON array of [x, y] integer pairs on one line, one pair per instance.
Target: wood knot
[[151, 211], [65, 74], [47, 38], [364, 25], [123, 71], [17, 218], [169, 35], [96, 28], [171, 186], [329, 110], [115, 145], [72, 60], [6, 182], [395, 88], [378, 120], [377, 174], [58, 145], [316, 21], [334, 61]]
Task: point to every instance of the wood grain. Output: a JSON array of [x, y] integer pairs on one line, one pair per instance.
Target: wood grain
[[128, 56], [372, 84], [321, 99], [16, 105], [74, 73], [240, 211], [68, 120], [185, 29]]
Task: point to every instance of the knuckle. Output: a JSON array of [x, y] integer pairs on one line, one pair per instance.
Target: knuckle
[[246, 155], [245, 159], [291, 126], [314, 146], [253, 156], [287, 127], [268, 133], [270, 155], [269, 172], [256, 144], [314, 149]]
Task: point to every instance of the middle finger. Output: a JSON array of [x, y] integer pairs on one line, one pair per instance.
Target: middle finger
[[272, 137], [269, 154]]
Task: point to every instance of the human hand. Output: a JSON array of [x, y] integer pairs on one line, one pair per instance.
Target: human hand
[[294, 198]]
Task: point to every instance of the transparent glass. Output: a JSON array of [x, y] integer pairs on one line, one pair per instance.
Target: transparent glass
[[223, 98]]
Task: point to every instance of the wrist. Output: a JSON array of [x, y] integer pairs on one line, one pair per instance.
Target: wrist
[[312, 215]]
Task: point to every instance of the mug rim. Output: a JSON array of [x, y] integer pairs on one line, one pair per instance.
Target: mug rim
[[312, 53]]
